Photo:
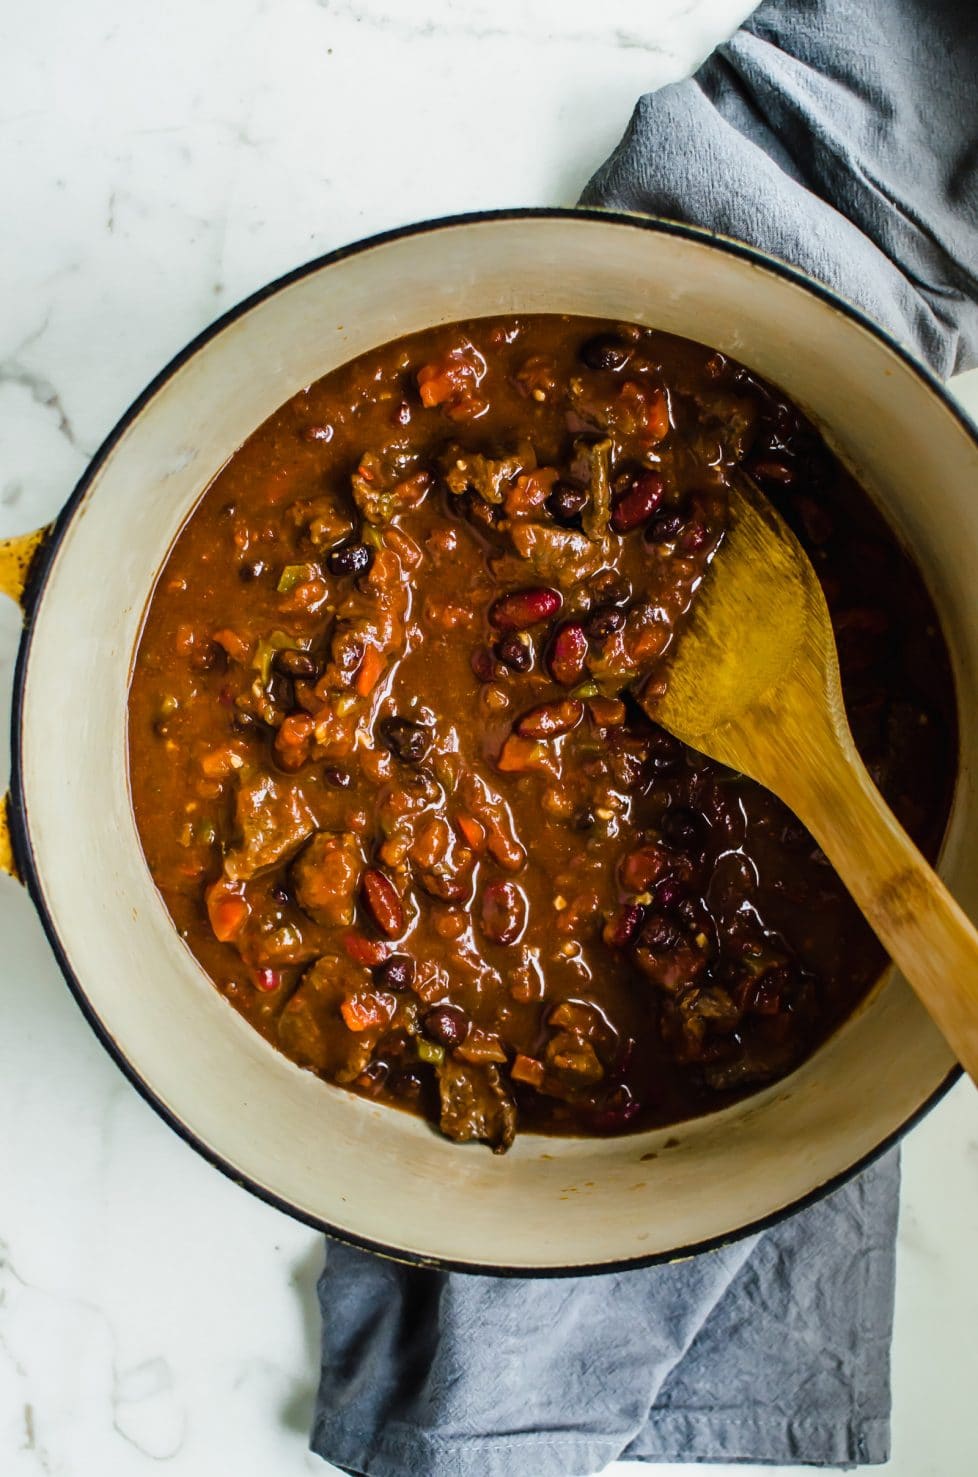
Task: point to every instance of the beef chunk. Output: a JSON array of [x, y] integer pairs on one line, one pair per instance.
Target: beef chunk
[[475, 1105], [326, 875], [272, 818], [561, 555], [311, 1028]]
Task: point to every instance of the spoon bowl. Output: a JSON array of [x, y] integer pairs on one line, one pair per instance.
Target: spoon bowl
[[754, 683]]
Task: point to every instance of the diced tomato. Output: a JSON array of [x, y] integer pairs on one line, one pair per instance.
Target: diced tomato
[[365, 1010], [363, 950], [642, 867], [236, 646], [227, 910]]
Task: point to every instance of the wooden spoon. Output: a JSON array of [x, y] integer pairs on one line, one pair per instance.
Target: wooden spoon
[[754, 683]]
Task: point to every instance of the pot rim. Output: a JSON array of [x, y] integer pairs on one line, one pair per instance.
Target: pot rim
[[34, 593]]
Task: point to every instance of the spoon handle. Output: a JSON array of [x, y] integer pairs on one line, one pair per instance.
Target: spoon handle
[[926, 933]]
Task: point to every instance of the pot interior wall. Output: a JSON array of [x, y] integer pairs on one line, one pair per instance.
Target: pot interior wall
[[369, 1172]]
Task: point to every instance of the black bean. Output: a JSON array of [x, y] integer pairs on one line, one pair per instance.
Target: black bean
[[665, 527], [685, 829], [605, 351], [281, 894], [514, 653], [447, 1024], [395, 973], [406, 740], [350, 559], [295, 663], [604, 622], [251, 571], [340, 779], [665, 752], [566, 502], [244, 722], [209, 658], [406, 1083], [280, 691], [610, 589]]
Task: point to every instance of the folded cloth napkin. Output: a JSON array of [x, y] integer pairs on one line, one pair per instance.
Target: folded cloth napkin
[[841, 138]]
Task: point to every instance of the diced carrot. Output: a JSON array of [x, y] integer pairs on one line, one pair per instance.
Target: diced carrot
[[657, 424], [371, 667], [227, 910], [607, 712], [473, 831], [519, 753], [527, 1069], [236, 646], [365, 1010]]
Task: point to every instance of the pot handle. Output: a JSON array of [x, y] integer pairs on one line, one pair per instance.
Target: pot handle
[[16, 560]]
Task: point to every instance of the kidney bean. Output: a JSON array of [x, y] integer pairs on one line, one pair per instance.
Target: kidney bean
[[566, 502], [405, 739], [568, 653], [350, 559], [550, 720], [447, 1024], [621, 929], [637, 505], [668, 893], [605, 351], [619, 1110], [395, 973], [660, 933], [521, 609], [771, 471], [383, 903], [483, 664], [514, 653], [503, 912]]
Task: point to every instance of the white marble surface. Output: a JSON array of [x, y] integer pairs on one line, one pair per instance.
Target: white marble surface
[[157, 162]]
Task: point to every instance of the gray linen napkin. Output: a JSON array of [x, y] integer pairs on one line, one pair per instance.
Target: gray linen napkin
[[843, 139]]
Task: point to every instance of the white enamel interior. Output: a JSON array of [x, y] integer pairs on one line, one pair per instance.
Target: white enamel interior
[[366, 1171]]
